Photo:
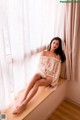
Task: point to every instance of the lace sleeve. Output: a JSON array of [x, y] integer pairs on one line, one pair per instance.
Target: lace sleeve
[[57, 70]]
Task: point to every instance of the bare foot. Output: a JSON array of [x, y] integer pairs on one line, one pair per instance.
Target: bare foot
[[19, 109]]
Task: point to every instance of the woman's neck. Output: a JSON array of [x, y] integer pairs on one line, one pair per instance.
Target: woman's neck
[[52, 51]]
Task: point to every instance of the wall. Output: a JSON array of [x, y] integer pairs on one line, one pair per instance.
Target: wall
[[73, 88], [73, 91]]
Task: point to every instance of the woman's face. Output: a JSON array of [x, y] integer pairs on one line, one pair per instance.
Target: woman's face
[[54, 45]]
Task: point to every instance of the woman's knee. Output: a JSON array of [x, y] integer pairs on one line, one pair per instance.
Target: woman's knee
[[37, 76], [49, 79]]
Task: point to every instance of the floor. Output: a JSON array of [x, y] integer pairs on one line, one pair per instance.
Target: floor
[[66, 111]]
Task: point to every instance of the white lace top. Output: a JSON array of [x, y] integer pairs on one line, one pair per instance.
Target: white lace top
[[49, 66]]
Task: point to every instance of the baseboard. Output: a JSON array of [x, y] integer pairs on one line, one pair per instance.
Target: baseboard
[[72, 101]]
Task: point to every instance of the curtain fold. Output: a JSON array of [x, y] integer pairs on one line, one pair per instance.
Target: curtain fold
[[72, 40], [25, 25]]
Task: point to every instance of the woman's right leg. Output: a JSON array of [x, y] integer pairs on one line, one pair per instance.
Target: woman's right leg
[[42, 82], [35, 78]]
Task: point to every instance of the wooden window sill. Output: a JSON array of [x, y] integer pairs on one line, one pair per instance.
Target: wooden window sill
[[41, 95]]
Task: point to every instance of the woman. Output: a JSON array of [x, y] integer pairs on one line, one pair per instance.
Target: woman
[[47, 74]]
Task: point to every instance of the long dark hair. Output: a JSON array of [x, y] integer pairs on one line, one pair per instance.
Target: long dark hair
[[59, 50]]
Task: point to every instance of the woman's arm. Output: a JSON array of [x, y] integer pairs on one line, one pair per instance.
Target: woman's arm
[[58, 57], [57, 71]]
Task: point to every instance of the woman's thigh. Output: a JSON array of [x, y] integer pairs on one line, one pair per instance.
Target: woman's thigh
[[44, 82], [36, 77]]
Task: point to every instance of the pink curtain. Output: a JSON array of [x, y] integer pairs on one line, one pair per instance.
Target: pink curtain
[[72, 40]]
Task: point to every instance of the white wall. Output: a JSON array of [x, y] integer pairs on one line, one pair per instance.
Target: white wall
[[73, 91], [73, 88]]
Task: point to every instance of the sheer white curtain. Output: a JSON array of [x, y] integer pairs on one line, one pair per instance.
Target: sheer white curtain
[[25, 25]]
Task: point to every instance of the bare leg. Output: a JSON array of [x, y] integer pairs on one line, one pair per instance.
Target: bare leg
[[42, 82], [34, 79]]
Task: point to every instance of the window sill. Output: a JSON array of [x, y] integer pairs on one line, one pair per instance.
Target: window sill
[[41, 95]]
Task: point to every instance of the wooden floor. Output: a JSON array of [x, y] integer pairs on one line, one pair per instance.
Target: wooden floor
[[66, 111]]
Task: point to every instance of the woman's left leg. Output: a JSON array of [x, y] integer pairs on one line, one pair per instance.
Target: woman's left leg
[[41, 82], [35, 78]]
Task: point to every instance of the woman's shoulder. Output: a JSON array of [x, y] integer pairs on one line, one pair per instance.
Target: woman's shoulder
[[44, 53], [58, 57]]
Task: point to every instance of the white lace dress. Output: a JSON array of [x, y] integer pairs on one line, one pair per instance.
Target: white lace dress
[[50, 66]]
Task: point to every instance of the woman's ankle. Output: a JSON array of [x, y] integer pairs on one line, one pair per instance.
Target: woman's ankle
[[25, 102]]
